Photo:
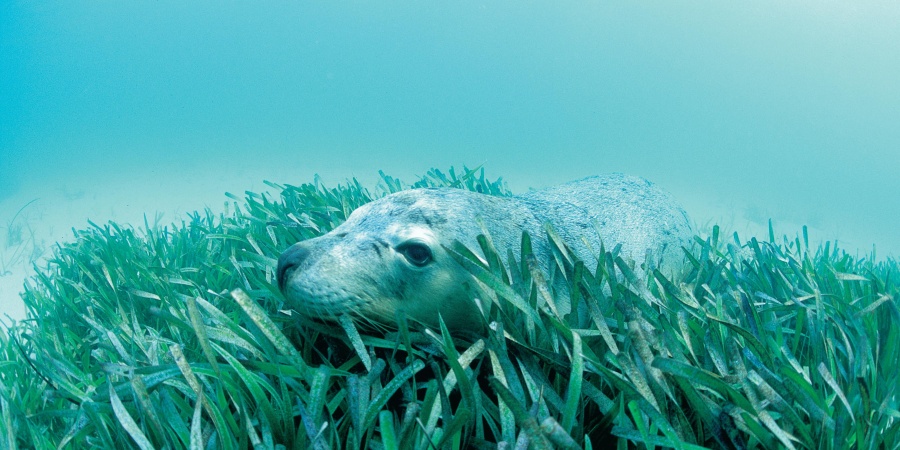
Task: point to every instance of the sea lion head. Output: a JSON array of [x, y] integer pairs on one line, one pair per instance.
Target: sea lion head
[[388, 259]]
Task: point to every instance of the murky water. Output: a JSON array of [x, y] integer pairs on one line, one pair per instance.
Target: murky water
[[745, 111]]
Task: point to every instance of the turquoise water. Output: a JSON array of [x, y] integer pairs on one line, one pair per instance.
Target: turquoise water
[[745, 111]]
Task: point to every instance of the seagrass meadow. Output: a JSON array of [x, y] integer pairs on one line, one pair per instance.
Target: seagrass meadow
[[177, 336]]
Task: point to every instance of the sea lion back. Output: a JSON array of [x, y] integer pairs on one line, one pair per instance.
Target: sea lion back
[[616, 209]]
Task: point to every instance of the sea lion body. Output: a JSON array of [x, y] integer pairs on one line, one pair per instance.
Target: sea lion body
[[389, 255]]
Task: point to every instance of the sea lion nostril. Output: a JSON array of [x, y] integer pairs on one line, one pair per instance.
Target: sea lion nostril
[[290, 259]]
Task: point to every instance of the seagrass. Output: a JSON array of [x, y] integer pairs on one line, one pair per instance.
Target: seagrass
[[175, 336]]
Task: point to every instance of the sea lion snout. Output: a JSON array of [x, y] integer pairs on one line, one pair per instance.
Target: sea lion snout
[[289, 260]]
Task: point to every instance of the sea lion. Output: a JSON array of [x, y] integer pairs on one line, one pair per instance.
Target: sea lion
[[389, 256]]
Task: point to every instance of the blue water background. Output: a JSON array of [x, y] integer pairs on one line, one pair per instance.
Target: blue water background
[[788, 110]]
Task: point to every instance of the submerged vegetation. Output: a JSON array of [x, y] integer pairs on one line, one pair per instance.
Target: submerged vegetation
[[17, 249], [173, 337]]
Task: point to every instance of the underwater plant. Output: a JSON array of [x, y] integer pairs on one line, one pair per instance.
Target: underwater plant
[[16, 248], [177, 336]]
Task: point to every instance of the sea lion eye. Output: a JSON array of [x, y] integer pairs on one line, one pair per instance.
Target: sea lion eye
[[417, 253]]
